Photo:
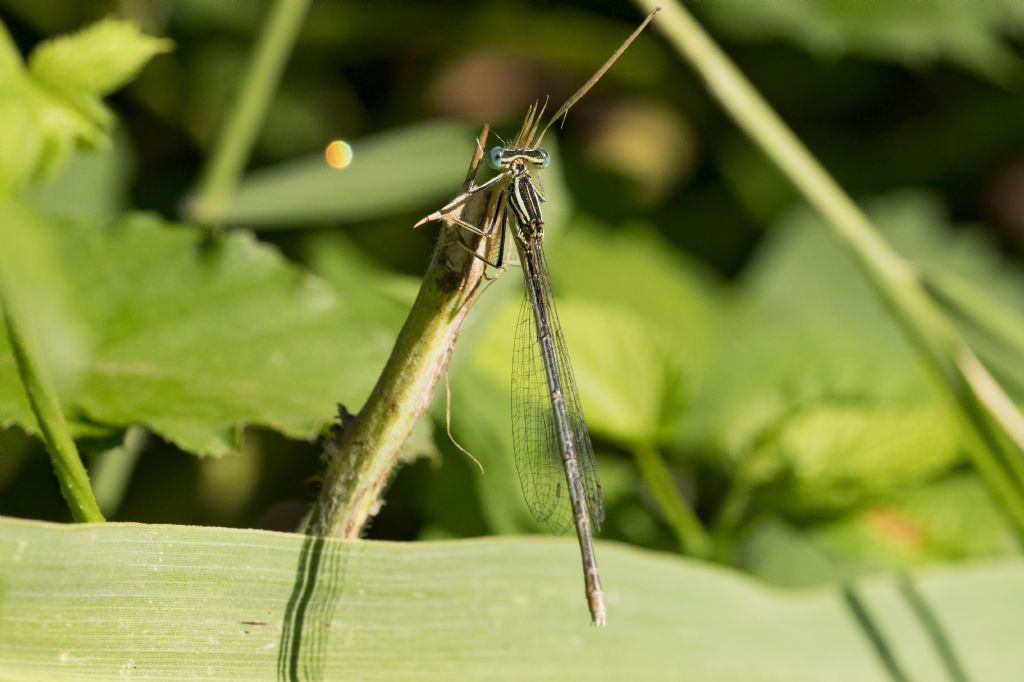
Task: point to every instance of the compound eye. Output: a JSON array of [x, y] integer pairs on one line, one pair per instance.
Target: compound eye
[[545, 158], [494, 158]]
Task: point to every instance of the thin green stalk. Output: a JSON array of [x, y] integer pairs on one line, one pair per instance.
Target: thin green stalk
[[690, 534], [232, 149], [735, 504], [71, 474], [757, 464], [112, 470], [361, 458], [993, 427]]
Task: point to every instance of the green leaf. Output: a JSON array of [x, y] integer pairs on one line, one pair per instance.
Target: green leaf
[[392, 172], [623, 371], [10, 59], [481, 423], [54, 107], [947, 520], [918, 225], [95, 60], [811, 358], [172, 602], [631, 267], [784, 555], [775, 363], [70, 75], [21, 137], [950, 519], [193, 335], [840, 454], [626, 374], [969, 34], [334, 256], [92, 185]]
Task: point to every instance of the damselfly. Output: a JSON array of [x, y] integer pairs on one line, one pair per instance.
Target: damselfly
[[553, 451]]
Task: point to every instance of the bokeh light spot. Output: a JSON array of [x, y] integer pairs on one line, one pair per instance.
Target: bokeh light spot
[[338, 154]]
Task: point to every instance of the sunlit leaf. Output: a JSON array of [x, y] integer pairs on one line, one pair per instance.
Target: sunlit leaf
[[813, 369], [54, 106], [947, 520], [838, 454], [91, 186], [629, 266], [623, 370], [10, 60], [194, 335], [96, 60], [172, 602]]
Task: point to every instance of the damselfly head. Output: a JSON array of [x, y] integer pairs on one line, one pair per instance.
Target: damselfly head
[[503, 157]]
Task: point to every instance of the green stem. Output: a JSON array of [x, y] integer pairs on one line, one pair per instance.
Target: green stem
[[362, 457], [112, 470], [232, 149], [993, 427], [71, 474], [690, 534], [736, 502], [754, 467], [733, 509]]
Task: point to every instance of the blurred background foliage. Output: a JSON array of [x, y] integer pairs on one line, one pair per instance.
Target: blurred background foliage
[[712, 321]]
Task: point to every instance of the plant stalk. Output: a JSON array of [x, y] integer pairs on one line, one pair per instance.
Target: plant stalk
[[693, 539], [232, 149], [42, 396]]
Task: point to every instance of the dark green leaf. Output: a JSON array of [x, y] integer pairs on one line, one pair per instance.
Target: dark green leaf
[[966, 33]]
